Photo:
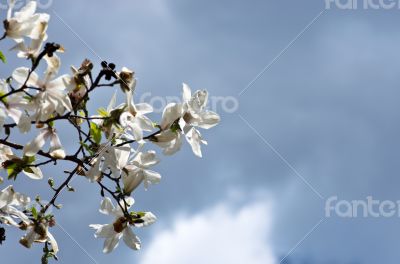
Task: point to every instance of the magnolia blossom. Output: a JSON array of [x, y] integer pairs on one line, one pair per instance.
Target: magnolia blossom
[[6, 155], [32, 50], [137, 171], [49, 133], [122, 225], [52, 97], [12, 106], [25, 23], [134, 120], [38, 233], [195, 115], [12, 205], [115, 158], [108, 157], [10, 201], [186, 117]]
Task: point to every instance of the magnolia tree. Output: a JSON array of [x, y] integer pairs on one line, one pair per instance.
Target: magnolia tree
[[113, 146]]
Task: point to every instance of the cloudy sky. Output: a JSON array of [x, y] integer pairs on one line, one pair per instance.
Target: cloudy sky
[[309, 103]]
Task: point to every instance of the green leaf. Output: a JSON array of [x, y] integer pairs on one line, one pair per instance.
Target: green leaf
[[95, 132], [34, 212], [13, 170], [2, 57]]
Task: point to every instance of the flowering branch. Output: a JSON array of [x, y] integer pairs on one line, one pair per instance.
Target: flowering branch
[[112, 146]]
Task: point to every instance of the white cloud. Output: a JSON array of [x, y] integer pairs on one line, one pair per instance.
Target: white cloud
[[221, 234]]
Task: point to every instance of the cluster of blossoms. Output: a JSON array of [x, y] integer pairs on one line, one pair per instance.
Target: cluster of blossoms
[[113, 145]]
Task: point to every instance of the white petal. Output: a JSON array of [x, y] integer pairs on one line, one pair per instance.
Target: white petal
[[53, 243], [34, 173], [146, 159], [170, 141], [36, 144], [103, 231], [194, 139], [187, 93], [151, 177], [26, 12], [132, 180], [149, 219], [136, 131], [56, 149], [6, 196], [171, 113], [53, 65], [63, 82], [144, 123], [122, 156], [199, 100], [94, 172], [111, 243], [20, 75], [106, 206], [143, 108], [130, 239], [24, 124], [208, 119]]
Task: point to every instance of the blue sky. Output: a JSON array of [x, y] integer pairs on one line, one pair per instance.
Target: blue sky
[[323, 120]]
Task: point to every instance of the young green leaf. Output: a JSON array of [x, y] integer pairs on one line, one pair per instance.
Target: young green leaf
[[95, 132], [2, 57]]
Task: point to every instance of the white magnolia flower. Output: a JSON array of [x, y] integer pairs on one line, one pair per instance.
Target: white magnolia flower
[[6, 154], [52, 97], [122, 226], [32, 50], [39, 233], [13, 106], [196, 115], [137, 171], [49, 133], [115, 158], [10, 201], [109, 157], [25, 23], [133, 120], [187, 117]]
